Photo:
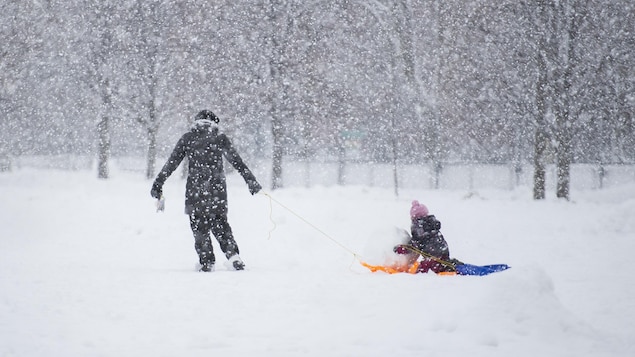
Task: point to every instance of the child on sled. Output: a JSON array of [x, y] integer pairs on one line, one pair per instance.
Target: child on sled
[[425, 240]]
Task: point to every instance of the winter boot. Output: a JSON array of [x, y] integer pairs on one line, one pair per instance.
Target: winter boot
[[236, 263], [207, 267]]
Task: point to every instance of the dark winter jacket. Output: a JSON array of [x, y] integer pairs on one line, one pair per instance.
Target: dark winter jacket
[[427, 237], [205, 147]]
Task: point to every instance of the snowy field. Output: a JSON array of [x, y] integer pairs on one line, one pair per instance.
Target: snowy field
[[88, 268]]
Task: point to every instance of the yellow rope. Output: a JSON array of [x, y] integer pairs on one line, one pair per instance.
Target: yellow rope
[[271, 199], [270, 216], [412, 269], [429, 256]]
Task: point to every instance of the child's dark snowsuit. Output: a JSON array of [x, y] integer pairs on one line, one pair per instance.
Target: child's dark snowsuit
[[425, 235]]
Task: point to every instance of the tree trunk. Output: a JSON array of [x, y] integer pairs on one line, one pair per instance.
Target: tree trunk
[[103, 142], [564, 172], [278, 151], [153, 128], [434, 133], [437, 167], [152, 154], [341, 160], [540, 147], [103, 131], [279, 36], [395, 154], [564, 159], [564, 117], [541, 138]]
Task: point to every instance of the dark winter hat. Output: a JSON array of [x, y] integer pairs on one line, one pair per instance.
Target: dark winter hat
[[206, 115]]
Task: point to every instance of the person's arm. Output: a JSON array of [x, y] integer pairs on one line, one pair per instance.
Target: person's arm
[[236, 161], [173, 162]]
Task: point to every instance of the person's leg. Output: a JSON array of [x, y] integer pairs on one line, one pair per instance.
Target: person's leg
[[201, 225], [438, 267], [223, 233], [425, 265]]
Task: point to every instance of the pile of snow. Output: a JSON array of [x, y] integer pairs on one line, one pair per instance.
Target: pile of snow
[[88, 268]]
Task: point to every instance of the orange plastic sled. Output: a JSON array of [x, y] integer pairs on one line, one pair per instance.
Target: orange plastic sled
[[394, 269], [400, 269]]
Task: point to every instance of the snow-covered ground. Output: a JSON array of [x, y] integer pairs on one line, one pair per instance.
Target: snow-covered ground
[[88, 268]]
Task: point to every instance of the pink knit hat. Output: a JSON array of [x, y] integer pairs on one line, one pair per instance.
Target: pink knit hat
[[418, 210]]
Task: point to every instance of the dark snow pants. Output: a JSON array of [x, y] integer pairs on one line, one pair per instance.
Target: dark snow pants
[[203, 221]]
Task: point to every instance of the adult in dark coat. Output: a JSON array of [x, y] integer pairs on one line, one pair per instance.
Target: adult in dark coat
[[206, 190]]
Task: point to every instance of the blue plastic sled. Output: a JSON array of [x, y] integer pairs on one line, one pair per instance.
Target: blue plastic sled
[[469, 269]]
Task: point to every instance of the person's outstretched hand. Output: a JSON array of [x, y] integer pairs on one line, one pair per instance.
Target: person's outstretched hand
[[254, 187]]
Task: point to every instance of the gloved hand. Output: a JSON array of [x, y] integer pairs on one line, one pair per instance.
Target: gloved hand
[[157, 190], [254, 187], [400, 249]]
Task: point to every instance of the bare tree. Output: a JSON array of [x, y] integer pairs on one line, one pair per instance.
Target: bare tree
[[17, 35], [413, 78], [102, 64], [148, 26], [555, 29], [573, 14], [542, 87], [541, 136], [103, 129], [280, 16]]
